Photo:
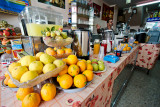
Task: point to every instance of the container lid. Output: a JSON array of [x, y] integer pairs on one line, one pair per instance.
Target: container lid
[[96, 40]]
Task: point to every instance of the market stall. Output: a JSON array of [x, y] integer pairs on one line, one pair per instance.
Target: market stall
[[98, 92]]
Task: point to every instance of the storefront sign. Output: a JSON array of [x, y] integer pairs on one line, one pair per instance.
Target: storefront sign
[[13, 5]]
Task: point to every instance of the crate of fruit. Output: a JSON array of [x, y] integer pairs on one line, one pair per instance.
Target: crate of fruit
[[32, 70]]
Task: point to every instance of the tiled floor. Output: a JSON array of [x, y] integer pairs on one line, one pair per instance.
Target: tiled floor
[[143, 90]]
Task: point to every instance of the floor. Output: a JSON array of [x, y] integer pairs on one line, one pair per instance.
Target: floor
[[143, 90]]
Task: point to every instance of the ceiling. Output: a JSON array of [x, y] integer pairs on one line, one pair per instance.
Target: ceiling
[[122, 3]]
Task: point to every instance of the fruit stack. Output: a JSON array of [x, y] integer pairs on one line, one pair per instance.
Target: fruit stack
[[59, 53], [7, 32], [75, 74], [97, 65], [30, 67]]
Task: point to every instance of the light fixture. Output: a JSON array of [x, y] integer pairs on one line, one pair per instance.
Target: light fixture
[[128, 1], [148, 3]]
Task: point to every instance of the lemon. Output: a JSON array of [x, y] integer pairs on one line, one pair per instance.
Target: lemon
[[18, 71], [13, 65], [48, 67], [29, 75], [36, 66], [26, 60], [38, 55], [45, 58]]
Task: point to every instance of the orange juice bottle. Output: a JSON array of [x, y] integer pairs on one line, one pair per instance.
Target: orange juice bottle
[[96, 46]]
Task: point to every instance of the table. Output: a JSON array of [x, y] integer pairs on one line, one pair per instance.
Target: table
[[97, 94], [148, 53]]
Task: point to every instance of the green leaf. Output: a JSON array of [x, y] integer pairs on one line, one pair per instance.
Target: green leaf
[[19, 99], [53, 28], [48, 29], [85, 82]]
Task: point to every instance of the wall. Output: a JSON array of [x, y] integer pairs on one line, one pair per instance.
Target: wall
[[11, 19], [101, 22]]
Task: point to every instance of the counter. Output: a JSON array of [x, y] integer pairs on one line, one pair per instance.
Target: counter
[[98, 93]]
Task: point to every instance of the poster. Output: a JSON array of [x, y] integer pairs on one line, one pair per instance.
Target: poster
[[97, 10], [57, 3], [107, 12], [13, 5]]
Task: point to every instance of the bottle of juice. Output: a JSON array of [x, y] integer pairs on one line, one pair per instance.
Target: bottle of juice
[[104, 44], [96, 46]]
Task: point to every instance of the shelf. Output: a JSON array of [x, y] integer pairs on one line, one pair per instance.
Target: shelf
[[10, 36], [83, 16]]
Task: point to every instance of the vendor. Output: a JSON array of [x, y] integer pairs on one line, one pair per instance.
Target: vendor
[[109, 26]]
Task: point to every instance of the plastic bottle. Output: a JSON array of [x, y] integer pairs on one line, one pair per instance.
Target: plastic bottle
[[108, 45]]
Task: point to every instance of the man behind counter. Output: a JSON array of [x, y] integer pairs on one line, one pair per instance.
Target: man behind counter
[[109, 26]]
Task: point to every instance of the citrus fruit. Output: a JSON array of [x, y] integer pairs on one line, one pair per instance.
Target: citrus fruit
[[36, 66], [18, 71], [89, 75], [50, 51], [60, 51], [48, 91], [13, 65], [6, 80], [89, 67], [124, 49], [29, 75], [11, 84], [58, 78], [58, 63], [31, 100], [65, 60], [38, 55], [66, 81], [26, 60], [48, 67], [72, 59], [73, 70], [128, 48], [84, 60], [89, 62], [6, 74], [64, 71], [82, 65], [45, 58], [22, 92], [80, 80], [68, 50]]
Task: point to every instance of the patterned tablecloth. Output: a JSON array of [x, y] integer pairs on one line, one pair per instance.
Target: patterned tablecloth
[[148, 53], [97, 94]]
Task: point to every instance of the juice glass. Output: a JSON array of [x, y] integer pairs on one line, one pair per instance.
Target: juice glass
[[96, 46]]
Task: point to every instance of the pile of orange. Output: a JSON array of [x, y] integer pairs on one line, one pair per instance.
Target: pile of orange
[[8, 81], [56, 51], [76, 73]]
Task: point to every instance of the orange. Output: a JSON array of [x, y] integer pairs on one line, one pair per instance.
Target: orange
[[73, 70], [65, 60], [6, 80], [58, 78], [55, 75], [80, 80], [50, 51], [82, 65], [11, 84], [68, 50], [31, 100], [84, 60], [60, 51], [89, 75], [64, 71], [72, 59], [128, 48], [22, 92], [48, 91], [65, 81], [6, 74], [89, 67]]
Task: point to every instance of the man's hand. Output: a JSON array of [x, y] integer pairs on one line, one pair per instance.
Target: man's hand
[[98, 26]]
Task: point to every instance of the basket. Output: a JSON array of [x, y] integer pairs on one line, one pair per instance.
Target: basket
[[57, 43], [3, 85], [38, 79]]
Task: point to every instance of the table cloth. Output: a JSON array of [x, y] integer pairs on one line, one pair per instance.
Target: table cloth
[[148, 53], [97, 94]]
